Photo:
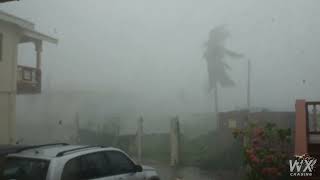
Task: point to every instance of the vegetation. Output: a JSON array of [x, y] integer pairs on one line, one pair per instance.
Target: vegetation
[[266, 151], [213, 151], [215, 54], [157, 147]]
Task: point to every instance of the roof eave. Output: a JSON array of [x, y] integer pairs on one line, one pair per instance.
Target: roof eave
[[39, 36], [16, 20]]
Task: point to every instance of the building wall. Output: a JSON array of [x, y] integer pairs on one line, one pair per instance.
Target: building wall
[[8, 66], [239, 119], [38, 118]]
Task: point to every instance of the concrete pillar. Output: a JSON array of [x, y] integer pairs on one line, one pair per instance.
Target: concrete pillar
[[140, 139], [116, 130], [12, 119], [77, 124], [8, 76], [175, 141], [301, 128]]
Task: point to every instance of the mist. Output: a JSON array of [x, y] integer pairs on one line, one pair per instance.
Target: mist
[[185, 86], [153, 50], [142, 58]]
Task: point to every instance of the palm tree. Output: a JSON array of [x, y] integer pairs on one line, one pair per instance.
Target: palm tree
[[215, 55]]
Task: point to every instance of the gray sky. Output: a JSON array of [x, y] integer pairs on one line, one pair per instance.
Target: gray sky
[[153, 49]]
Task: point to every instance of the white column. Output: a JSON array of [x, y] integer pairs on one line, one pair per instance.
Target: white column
[[174, 141], [8, 75], [139, 138], [77, 133], [12, 119], [12, 95]]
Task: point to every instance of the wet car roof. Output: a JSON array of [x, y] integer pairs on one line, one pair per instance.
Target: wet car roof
[[8, 149], [52, 151]]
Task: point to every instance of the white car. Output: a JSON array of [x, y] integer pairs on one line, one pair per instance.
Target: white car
[[73, 162]]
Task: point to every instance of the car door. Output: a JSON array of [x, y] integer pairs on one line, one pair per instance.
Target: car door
[[96, 166], [93, 166], [122, 167]]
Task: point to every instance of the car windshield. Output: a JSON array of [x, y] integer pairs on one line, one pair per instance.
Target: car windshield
[[24, 169]]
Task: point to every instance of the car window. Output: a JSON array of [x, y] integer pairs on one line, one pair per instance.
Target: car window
[[72, 170], [88, 166], [120, 163], [24, 169], [95, 166]]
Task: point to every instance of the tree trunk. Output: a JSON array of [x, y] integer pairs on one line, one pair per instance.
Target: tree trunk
[[216, 105]]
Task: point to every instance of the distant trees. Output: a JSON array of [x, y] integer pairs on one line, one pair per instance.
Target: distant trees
[[215, 55]]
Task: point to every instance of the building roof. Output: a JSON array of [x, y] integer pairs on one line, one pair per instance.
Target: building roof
[[28, 28]]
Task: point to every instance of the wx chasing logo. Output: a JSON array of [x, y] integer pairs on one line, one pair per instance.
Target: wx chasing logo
[[302, 165]]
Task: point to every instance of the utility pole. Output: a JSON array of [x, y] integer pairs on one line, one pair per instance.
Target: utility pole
[[249, 86]]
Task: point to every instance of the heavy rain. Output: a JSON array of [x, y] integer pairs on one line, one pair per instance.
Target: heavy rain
[[200, 90]]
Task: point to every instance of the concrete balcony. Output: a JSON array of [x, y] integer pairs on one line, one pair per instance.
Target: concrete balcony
[[28, 80]]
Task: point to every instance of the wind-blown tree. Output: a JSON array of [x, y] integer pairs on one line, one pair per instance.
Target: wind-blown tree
[[215, 55]]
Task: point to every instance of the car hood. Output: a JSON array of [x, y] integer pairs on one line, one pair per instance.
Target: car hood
[[148, 168]]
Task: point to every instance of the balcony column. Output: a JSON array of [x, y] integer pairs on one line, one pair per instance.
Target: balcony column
[[38, 46]]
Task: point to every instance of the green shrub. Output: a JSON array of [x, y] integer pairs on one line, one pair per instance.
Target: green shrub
[[266, 151]]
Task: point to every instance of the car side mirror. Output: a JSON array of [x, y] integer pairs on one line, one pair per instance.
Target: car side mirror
[[138, 168]]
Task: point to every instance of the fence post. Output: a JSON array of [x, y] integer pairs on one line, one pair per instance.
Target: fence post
[[77, 140], [175, 141], [139, 138], [301, 146], [115, 124]]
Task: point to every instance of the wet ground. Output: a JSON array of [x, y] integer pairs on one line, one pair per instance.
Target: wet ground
[[183, 173], [167, 172]]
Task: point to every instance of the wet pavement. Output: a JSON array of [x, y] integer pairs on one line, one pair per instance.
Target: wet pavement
[[167, 172], [183, 173]]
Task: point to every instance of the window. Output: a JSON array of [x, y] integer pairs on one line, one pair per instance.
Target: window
[[24, 168], [120, 163], [72, 170], [95, 166], [1, 39], [27, 75], [89, 166]]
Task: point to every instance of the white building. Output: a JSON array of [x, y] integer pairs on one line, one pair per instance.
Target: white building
[[13, 78]]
